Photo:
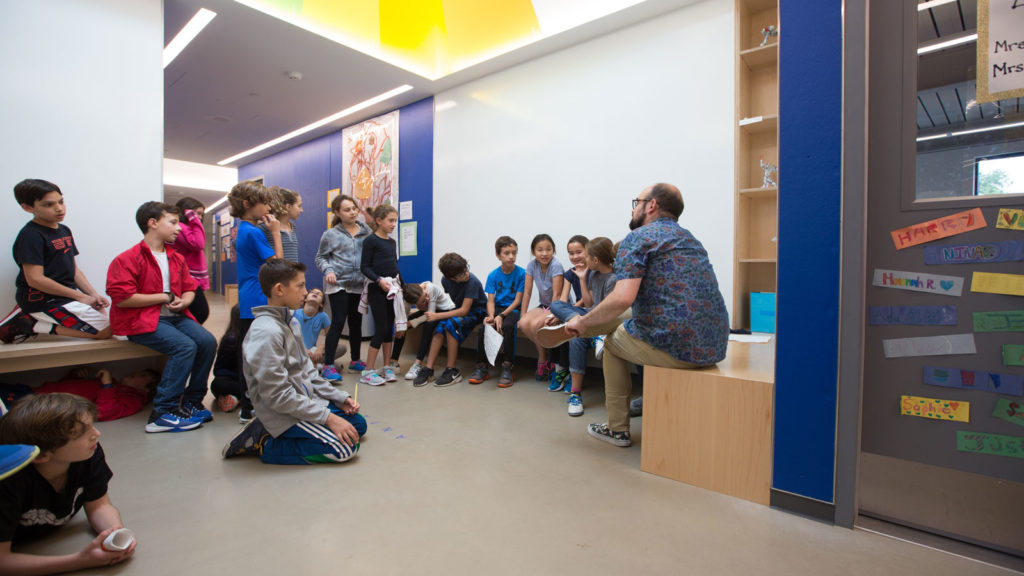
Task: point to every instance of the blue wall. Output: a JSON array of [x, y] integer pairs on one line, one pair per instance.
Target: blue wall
[[313, 168], [810, 154]]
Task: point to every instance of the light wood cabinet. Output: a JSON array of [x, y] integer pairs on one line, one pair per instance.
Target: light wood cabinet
[[757, 139]]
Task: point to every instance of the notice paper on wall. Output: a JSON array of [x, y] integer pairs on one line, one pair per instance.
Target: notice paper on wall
[[1008, 251], [1010, 410], [1010, 219], [929, 346], [1004, 321], [405, 210], [1013, 354], [938, 228], [913, 315], [992, 444], [407, 239], [1011, 384], [935, 408], [1012, 284], [1000, 58], [933, 283]]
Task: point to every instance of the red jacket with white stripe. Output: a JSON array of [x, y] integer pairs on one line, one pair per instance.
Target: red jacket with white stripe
[[135, 271]]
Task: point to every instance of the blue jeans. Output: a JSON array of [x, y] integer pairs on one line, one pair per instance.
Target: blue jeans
[[309, 443], [190, 350], [577, 346], [565, 311]]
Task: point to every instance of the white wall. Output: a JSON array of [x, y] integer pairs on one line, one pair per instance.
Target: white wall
[[81, 106], [561, 144]]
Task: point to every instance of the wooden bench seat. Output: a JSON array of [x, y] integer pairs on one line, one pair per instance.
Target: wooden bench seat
[[54, 351], [713, 428]]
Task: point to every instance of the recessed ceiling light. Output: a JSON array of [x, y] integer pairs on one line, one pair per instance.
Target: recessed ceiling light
[[947, 44], [322, 122], [932, 4], [187, 34]]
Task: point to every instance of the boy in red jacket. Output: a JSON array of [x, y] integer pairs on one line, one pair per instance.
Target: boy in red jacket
[[113, 399], [151, 290]]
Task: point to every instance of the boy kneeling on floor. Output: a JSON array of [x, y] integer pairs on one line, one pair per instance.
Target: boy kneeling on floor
[[69, 474], [300, 417]]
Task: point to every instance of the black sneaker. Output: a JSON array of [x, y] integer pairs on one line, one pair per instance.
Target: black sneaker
[[17, 327], [245, 415], [246, 442], [448, 377], [424, 376]]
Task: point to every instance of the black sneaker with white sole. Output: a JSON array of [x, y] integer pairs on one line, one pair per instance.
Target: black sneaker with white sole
[[17, 327], [448, 377], [424, 376], [246, 442]]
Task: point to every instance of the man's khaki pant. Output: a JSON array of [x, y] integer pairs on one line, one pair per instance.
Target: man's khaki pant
[[621, 350]]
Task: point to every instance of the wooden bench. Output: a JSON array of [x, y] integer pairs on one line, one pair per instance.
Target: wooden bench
[[53, 351], [713, 428]]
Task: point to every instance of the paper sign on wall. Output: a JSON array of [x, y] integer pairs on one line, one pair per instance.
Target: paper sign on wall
[[1005, 321], [407, 239], [929, 346], [1007, 251], [1013, 354], [993, 444], [913, 315], [1011, 411], [938, 228], [935, 408], [1000, 58], [933, 283], [1010, 219], [1012, 284], [1012, 384]]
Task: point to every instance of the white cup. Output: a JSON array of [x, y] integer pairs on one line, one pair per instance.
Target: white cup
[[119, 540]]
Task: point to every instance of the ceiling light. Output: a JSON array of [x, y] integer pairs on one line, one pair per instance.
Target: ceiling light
[[947, 44], [323, 121], [932, 4], [972, 131], [187, 34], [210, 208]]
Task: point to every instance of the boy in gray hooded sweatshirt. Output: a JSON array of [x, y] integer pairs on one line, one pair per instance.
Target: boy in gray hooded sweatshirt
[[300, 417]]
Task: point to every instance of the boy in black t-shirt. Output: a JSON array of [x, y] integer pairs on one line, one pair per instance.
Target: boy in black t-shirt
[[453, 326], [70, 473], [53, 294]]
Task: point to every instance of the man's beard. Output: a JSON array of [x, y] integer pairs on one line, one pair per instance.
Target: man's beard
[[635, 223]]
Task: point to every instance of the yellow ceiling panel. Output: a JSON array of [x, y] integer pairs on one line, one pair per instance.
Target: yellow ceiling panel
[[476, 27]]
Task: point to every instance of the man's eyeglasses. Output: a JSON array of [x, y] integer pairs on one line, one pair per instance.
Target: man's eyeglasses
[[637, 201]]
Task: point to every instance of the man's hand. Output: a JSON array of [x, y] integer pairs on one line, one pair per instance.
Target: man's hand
[[574, 327], [342, 429]]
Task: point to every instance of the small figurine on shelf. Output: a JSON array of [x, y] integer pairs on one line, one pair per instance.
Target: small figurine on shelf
[[769, 171], [769, 32]]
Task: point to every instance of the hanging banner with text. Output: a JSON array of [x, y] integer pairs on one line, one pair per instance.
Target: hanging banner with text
[[1000, 50], [1006, 321], [935, 408], [913, 315], [947, 345], [1011, 284], [992, 444], [1010, 219], [1012, 384], [938, 228], [904, 280], [1007, 251], [1009, 411]]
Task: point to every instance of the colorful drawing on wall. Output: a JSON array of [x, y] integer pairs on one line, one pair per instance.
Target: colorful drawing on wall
[[1013, 354], [938, 228], [1008, 251], [913, 315], [1004, 321], [1010, 411], [370, 161], [1012, 284], [1011, 384], [946, 345], [1010, 219], [935, 408], [992, 444], [933, 283]]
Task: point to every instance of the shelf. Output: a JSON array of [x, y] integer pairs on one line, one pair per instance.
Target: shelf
[[766, 123], [758, 260], [761, 57], [759, 192]]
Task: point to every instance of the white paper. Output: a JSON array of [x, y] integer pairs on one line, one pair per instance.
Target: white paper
[[929, 346], [753, 120], [757, 338], [405, 210], [931, 283], [492, 343]]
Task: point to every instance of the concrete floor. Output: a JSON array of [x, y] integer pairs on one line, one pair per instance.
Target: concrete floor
[[459, 480]]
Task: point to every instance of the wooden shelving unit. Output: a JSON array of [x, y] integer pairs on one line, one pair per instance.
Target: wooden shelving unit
[[757, 138]]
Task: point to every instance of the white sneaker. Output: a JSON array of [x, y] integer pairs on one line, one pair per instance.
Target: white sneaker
[[372, 378], [413, 371], [575, 405], [598, 347], [389, 374]]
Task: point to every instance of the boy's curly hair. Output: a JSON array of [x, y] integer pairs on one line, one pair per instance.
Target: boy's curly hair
[[46, 420], [248, 192], [452, 265]]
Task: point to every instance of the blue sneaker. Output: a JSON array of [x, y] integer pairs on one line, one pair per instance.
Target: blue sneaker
[[357, 366], [559, 380], [14, 457], [331, 373], [193, 410], [175, 421]]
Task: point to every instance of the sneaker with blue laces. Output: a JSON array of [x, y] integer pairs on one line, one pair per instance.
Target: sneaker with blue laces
[[371, 378], [575, 404], [356, 366], [193, 410], [331, 373], [173, 421], [389, 374], [559, 379]]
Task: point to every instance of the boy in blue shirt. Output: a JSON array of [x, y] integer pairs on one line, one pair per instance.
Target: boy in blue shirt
[[504, 291], [250, 202], [455, 325]]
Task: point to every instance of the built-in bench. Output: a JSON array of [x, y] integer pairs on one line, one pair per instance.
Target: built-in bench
[[713, 427], [54, 351]]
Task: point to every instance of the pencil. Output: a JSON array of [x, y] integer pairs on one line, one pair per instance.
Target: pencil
[[355, 397]]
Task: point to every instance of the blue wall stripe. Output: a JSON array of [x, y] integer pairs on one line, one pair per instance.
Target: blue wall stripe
[[810, 153]]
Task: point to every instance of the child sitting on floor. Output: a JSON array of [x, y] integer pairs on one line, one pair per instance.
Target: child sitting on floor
[[300, 417], [69, 474]]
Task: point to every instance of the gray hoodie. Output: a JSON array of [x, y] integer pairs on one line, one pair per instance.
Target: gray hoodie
[[284, 385], [341, 253]]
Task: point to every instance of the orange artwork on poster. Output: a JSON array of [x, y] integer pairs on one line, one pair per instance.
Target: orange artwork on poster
[[938, 228]]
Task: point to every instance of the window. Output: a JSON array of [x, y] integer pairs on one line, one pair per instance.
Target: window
[[999, 175]]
